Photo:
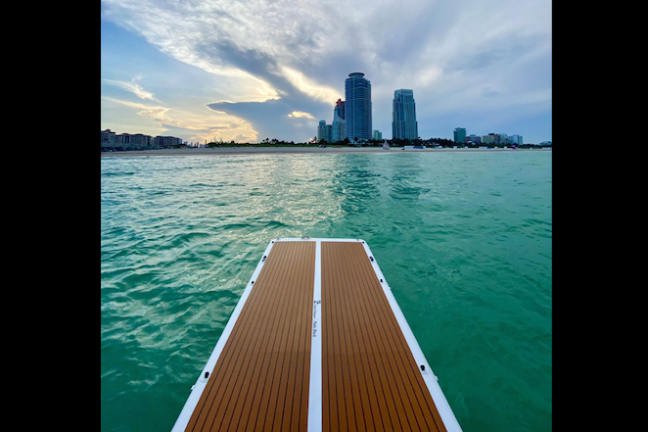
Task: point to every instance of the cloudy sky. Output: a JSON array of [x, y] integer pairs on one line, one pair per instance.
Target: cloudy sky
[[246, 70]]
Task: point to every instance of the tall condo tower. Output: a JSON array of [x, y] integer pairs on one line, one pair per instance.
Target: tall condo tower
[[404, 125], [321, 130], [459, 135], [324, 131], [358, 106], [339, 123]]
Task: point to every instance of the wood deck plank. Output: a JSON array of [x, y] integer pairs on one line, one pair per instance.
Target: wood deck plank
[[274, 323], [251, 332], [254, 361], [355, 347], [227, 361], [382, 408], [331, 267], [426, 409], [348, 275], [389, 334]]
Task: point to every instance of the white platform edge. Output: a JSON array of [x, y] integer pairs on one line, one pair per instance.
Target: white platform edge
[[315, 384], [197, 390]]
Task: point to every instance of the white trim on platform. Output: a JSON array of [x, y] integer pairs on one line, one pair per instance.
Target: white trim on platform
[[315, 383], [196, 391], [292, 239]]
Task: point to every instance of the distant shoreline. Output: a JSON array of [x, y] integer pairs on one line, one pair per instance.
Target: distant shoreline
[[226, 151]]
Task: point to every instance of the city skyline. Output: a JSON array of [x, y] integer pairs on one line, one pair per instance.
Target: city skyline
[[262, 69]]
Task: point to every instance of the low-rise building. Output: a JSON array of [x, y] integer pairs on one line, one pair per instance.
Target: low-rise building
[[108, 138], [474, 139], [135, 141], [166, 141], [516, 139]]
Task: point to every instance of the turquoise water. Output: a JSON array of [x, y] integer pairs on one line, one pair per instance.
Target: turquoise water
[[464, 240]]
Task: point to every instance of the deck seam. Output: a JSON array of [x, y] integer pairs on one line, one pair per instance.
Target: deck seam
[[315, 383]]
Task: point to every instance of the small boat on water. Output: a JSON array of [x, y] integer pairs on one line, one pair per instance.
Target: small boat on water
[[317, 343]]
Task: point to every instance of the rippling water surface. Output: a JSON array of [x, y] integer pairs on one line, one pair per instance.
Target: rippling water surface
[[464, 240]]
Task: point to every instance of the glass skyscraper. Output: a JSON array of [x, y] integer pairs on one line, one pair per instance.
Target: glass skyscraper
[[460, 135], [339, 123], [404, 124], [357, 106]]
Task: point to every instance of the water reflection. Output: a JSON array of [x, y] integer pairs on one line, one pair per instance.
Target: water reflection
[[354, 182]]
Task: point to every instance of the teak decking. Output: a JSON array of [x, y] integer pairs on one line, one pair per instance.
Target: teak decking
[[317, 343]]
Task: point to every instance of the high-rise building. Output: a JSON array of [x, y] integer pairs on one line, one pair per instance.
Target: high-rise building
[[339, 123], [329, 133], [321, 130], [460, 135], [377, 135], [357, 106], [324, 131], [404, 125]]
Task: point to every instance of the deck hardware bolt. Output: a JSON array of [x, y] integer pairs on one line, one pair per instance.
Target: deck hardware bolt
[[264, 257], [422, 367], [371, 258], [381, 280], [252, 282], [206, 374]]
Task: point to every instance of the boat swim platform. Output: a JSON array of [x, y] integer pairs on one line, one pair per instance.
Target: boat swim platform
[[317, 343]]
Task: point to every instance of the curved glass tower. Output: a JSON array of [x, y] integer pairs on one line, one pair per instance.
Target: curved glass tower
[[404, 124], [357, 106]]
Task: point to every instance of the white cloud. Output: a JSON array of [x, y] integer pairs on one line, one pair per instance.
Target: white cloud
[[300, 114], [136, 89], [312, 89]]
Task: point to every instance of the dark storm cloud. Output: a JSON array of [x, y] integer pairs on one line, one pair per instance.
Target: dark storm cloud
[[269, 118]]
